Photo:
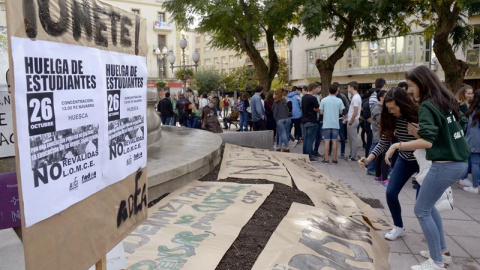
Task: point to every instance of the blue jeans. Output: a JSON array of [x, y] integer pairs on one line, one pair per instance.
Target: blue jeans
[[318, 139], [401, 173], [166, 120], [342, 137], [244, 121], [173, 121], [475, 162], [469, 168], [309, 137], [438, 179], [283, 126], [193, 123], [371, 165]]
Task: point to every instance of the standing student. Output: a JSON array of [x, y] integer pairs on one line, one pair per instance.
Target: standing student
[[398, 110], [353, 119], [331, 107], [441, 135], [473, 139], [309, 120], [280, 112]]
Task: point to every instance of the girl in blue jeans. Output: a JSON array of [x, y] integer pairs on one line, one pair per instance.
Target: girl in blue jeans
[[398, 110], [441, 135], [473, 139]]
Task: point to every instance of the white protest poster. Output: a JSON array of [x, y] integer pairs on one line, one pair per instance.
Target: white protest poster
[[126, 78], [59, 95], [7, 148]]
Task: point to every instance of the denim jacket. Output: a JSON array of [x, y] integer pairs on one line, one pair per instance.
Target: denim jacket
[[473, 135]]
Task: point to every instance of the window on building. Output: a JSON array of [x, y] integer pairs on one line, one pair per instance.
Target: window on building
[[400, 51], [162, 41], [215, 61], [136, 11], [206, 49], [231, 58], [476, 36], [161, 17], [162, 64], [208, 62], [224, 59], [239, 58], [197, 39], [208, 38]]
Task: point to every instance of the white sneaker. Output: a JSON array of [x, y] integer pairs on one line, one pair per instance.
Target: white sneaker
[[447, 259], [465, 182], [473, 190], [427, 265], [395, 233], [295, 143]]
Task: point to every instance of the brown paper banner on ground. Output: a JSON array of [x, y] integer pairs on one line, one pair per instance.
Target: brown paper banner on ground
[[248, 163], [323, 191], [316, 238], [194, 226]]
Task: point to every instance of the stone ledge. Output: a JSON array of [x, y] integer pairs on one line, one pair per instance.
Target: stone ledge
[[253, 139], [182, 155]]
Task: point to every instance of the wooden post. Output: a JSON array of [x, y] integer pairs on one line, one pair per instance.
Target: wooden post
[[102, 264]]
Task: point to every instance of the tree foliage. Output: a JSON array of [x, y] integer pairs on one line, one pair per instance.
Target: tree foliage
[[239, 25], [207, 80], [240, 79], [348, 21], [444, 22]]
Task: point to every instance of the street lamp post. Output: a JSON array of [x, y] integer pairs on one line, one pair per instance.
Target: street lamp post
[[195, 57], [161, 55]]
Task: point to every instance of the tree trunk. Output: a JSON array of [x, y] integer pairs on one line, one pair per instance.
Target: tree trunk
[[454, 69], [325, 68]]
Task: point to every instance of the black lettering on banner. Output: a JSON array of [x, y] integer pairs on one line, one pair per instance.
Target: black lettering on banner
[[137, 34], [29, 18], [52, 28], [41, 113], [113, 105], [100, 39], [135, 204], [81, 17], [114, 18], [124, 32]]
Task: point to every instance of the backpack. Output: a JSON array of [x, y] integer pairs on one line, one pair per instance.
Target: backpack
[[241, 106]]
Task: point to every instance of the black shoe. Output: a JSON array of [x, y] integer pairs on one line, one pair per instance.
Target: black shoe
[[352, 159], [334, 161], [313, 159], [325, 161]]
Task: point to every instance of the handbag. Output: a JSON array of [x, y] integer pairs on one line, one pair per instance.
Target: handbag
[[446, 201]]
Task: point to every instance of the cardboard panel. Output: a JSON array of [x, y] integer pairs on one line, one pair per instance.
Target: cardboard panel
[[326, 192], [320, 238], [194, 226], [249, 163], [55, 39]]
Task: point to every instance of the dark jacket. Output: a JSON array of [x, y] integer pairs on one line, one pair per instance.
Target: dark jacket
[[165, 108]]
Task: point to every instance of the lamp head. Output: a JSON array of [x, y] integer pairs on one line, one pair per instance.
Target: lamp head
[[196, 57], [171, 58], [183, 43]]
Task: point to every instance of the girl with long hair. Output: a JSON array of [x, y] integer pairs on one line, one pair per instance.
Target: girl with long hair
[[464, 97], [398, 111], [281, 115], [473, 139], [441, 134]]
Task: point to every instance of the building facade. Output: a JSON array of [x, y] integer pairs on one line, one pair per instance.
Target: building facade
[[389, 57]]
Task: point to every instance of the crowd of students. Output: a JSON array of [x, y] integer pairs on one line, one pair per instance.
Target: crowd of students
[[420, 113]]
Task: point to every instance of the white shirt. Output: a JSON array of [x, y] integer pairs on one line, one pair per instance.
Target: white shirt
[[202, 103], [356, 102]]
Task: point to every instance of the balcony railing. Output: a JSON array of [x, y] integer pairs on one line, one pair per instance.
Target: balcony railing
[[165, 26]]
